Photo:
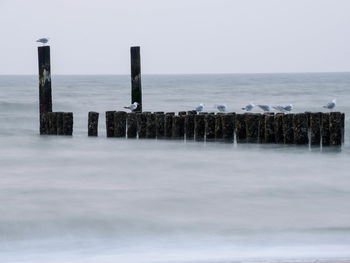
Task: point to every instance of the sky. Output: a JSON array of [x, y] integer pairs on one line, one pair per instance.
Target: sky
[[177, 36]]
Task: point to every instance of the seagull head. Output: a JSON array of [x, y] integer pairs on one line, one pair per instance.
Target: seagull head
[[136, 103]]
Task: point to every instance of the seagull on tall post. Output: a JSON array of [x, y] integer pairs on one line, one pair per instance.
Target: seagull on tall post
[[331, 105], [132, 107], [221, 107], [249, 107], [43, 40], [200, 107]]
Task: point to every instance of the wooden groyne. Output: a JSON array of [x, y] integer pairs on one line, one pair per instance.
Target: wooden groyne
[[51, 123], [268, 128]]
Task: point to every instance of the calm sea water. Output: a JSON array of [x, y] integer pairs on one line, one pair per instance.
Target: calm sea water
[[88, 200]]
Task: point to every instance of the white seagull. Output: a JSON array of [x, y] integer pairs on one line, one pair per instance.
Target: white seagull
[[285, 108], [43, 40], [249, 107], [200, 107], [331, 105], [221, 107], [132, 107], [264, 107]]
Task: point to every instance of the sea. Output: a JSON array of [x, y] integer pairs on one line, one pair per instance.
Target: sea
[[80, 199]]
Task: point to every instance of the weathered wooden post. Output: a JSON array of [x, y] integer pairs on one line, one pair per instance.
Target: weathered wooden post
[[300, 126], [141, 124], [335, 128], [308, 115], [241, 132], [168, 125], [199, 127], [189, 125], [93, 123], [160, 121], [288, 132], [131, 123], [270, 128], [262, 128], [325, 129], [228, 126], [218, 126], [182, 113], [67, 123], [52, 117], [252, 127], [178, 127], [120, 124], [110, 123], [209, 127], [151, 127], [59, 119], [315, 128], [45, 97], [342, 126], [279, 137], [136, 89]]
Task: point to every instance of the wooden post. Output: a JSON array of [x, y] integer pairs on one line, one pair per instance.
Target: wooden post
[[131, 123], [209, 127], [252, 127], [120, 124], [168, 125], [141, 124], [52, 117], [300, 126], [136, 89], [315, 128], [279, 138], [288, 132], [218, 126], [199, 127], [67, 123], [160, 121], [45, 97], [182, 113], [342, 126], [110, 123], [308, 115], [325, 129], [178, 127], [59, 120], [335, 128], [228, 126], [44, 123], [241, 133], [262, 128], [151, 131], [270, 128], [93, 123], [189, 126]]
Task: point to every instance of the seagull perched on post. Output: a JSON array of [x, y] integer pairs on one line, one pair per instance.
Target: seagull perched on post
[[221, 107], [285, 108], [132, 107], [249, 107], [43, 40], [264, 107], [330, 105], [200, 107]]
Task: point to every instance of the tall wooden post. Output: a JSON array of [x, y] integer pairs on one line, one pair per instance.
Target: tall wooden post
[[136, 90], [93, 123], [45, 97]]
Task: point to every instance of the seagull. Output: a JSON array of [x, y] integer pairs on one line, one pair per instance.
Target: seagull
[[285, 108], [200, 107], [132, 107], [264, 107], [279, 108], [221, 107], [249, 107], [43, 40], [330, 105]]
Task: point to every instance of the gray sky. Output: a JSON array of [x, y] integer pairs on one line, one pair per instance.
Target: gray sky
[[177, 36]]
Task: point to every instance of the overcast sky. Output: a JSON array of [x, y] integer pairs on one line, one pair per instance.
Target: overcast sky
[[177, 36]]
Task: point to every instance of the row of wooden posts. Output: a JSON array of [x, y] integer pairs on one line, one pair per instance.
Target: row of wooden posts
[[300, 128]]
